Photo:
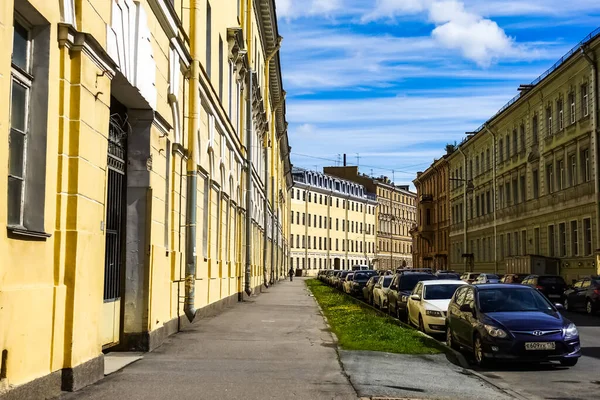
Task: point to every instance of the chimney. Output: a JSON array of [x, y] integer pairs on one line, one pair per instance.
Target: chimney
[[344, 160]]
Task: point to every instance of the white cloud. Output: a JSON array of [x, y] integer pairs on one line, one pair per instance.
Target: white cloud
[[290, 9], [393, 8]]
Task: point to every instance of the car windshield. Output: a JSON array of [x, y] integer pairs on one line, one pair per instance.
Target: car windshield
[[440, 292], [408, 282], [387, 281], [492, 276], [449, 276], [510, 299], [551, 280]]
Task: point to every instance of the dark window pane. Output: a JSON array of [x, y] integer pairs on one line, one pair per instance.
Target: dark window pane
[[14, 201], [18, 104], [20, 47], [17, 147]]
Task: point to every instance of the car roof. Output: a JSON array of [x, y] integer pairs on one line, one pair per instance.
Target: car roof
[[443, 282], [487, 286]]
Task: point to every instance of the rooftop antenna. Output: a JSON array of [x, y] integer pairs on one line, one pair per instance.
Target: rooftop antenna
[[393, 180], [337, 162], [371, 171], [357, 160]]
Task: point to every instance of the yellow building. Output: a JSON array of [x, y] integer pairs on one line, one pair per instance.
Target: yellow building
[[526, 182], [147, 176], [333, 223], [396, 216]]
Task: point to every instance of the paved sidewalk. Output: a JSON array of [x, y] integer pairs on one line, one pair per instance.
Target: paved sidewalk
[[275, 346]]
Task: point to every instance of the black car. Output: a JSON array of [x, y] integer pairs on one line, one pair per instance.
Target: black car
[[584, 295], [510, 322], [448, 276], [359, 281], [368, 289], [401, 287], [341, 277], [551, 286]]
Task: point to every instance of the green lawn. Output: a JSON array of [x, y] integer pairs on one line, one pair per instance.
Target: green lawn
[[359, 327]]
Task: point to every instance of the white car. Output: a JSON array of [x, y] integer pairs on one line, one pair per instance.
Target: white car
[[380, 291], [428, 304]]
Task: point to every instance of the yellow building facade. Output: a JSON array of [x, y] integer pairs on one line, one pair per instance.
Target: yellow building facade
[[147, 176], [526, 182], [332, 223]]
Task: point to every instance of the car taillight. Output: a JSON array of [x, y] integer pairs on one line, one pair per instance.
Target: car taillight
[[539, 287], [597, 291]]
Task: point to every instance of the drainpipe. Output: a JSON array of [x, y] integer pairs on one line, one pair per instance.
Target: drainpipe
[[249, 133], [466, 245], [266, 213], [592, 61], [192, 169], [487, 128]]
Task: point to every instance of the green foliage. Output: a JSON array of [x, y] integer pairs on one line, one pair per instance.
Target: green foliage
[[359, 327]]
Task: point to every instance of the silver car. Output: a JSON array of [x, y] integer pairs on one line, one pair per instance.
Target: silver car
[[380, 291], [487, 278]]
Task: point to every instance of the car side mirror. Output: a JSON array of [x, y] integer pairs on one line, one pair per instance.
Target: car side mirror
[[393, 287], [559, 306], [415, 297]]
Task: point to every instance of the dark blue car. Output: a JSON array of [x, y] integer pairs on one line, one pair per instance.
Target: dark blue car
[[510, 322]]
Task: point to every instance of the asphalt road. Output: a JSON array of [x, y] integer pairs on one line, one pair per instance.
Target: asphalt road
[[552, 381]]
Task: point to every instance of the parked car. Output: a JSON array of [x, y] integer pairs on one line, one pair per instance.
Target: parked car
[[551, 286], [448, 276], [510, 322], [583, 295], [360, 268], [368, 289], [359, 280], [513, 278], [470, 277], [487, 278], [400, 288], [428, 304], [347, 283], [380, 291], [338, 282]]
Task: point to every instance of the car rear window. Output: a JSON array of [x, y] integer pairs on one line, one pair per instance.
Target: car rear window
[[440, 292], [362, 276], [408, 282], [492, 276], [551, 280], [449, 276]]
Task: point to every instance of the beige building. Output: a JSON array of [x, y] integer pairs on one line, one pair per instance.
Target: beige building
[[431, 234], [333, 223], [527, 182], [396, 215]]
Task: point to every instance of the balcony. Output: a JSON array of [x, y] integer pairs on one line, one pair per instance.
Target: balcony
[[426, 198]]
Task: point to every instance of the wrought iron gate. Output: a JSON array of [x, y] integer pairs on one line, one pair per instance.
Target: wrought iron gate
[[113, 258]]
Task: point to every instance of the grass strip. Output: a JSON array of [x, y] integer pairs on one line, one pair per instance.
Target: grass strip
[[359, 327]]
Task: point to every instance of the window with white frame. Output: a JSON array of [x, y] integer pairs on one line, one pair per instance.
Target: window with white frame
[[572, 115], [549, 120], [559, 110], [585, 105], [585, 165]]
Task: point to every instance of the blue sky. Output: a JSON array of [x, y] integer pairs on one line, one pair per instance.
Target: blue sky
[[396, 80]]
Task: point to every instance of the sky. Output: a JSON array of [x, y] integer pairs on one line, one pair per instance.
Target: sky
[[391, 82]]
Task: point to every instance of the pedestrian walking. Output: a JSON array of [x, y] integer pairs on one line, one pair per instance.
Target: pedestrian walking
[[291, 274]]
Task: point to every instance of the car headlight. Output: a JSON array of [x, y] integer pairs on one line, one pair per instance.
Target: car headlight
[[404, 299], [433, 313], [494, 331], [571, 332]]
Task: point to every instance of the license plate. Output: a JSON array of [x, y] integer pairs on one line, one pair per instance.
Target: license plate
[[540, 346], [554, 296]]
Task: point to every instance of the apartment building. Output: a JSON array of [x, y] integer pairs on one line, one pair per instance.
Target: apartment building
[[526, 182], [333, 223], [396, 215], [147, 176], [431, 233]]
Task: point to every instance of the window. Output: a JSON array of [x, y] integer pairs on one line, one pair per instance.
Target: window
[[549, 121], [536, 183], [515, 191], [549, 178], [587, 236], [522, 188], [205, 214], [509, 244], [523, 243], [501, 195], [572, 107], [489, 201], [585, 165], [551, 241], [220, 68], [507, 147], [337, 244], [585, 105], [488, 161], [574, 239], [292, 240], [561, 174], [304, 219], [515, 141], [559, 111], [536, 241], [562, 239], [534, 129], [501, 150], [476, 165], [572, 170], [522, 133], [507, 194], [208, 39]]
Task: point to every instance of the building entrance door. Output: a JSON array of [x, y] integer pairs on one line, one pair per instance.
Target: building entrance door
[[114, 224]]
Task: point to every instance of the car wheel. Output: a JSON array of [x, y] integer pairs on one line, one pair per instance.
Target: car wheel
[[589, 307], [480, 358], [421, 324], [450, 340], [566, 304]]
